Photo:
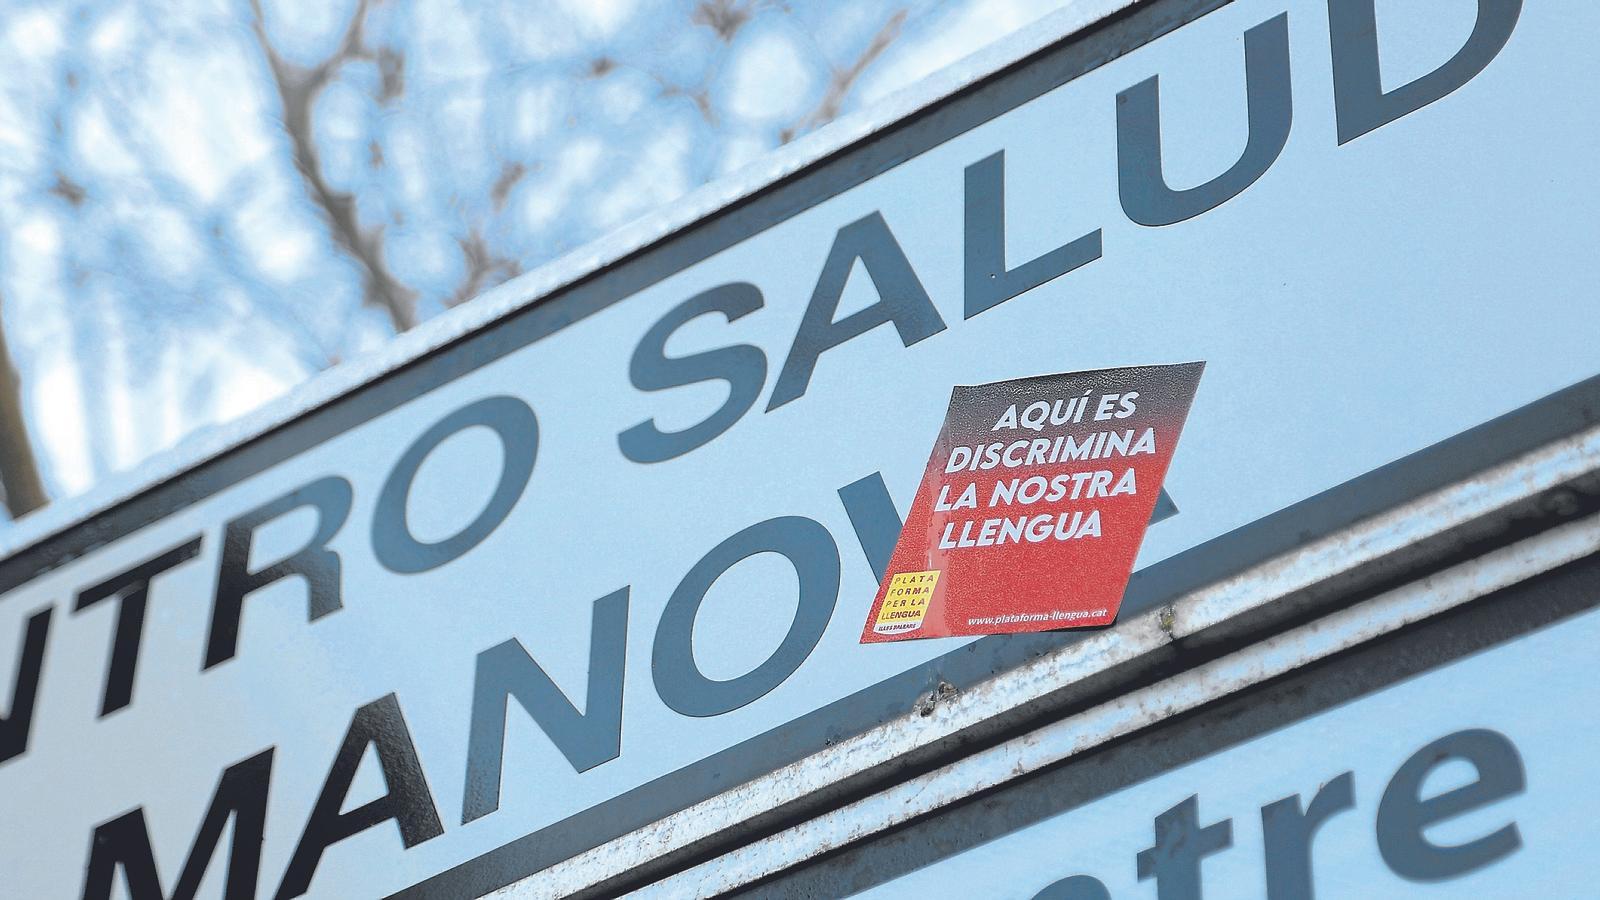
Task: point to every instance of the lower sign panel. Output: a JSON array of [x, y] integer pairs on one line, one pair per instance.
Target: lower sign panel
[[1453, 758]]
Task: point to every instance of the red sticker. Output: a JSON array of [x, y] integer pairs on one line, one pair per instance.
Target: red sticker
[[1034, 503]]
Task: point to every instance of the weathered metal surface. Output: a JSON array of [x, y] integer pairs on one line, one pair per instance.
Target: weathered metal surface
[[1542, 478], [1140, 709]]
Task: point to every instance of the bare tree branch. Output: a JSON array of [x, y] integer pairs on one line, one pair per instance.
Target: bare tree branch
[[485, 268], [19, 470], [725, 17], [298, 88], [699, 95], [844, 80]]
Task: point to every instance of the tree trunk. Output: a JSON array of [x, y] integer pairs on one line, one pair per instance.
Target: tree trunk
[[19, 471]]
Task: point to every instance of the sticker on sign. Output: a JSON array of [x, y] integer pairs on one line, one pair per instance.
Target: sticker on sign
[[611, 554], [1033, 505]]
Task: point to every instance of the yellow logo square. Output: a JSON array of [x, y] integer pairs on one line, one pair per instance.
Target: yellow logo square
[[906, 602]]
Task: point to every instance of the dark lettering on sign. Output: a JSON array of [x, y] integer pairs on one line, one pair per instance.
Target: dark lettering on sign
[[1141, 181], [124, 842], [17, 723], [408, 802], [586, 739], [392, 541], [1360, 102], [315, 563], [1146, 198], [902, 302], [875, 520], [809, 547], [132, 590], [1287, 832], [1404, 816], [742, 366], [1174, 861], [988, 282], [505, 671]]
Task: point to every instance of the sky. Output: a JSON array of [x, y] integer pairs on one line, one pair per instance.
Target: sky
[[207, 203]]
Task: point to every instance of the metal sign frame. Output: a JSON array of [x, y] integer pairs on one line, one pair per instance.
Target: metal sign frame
[[1493, 619]]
